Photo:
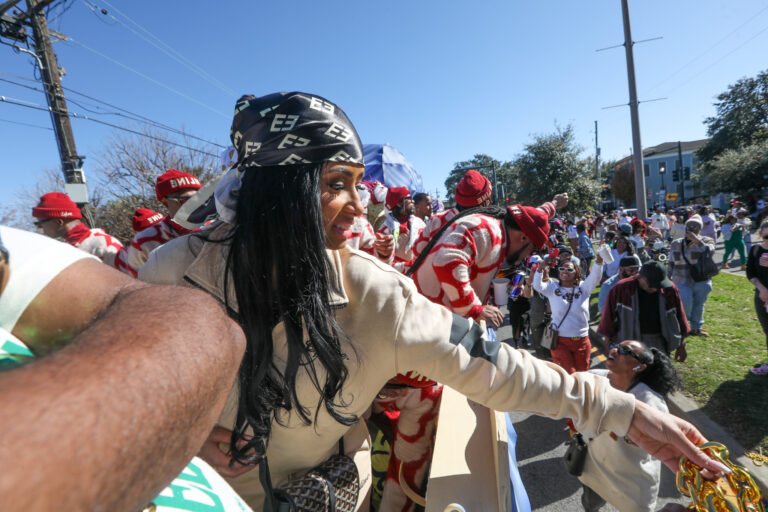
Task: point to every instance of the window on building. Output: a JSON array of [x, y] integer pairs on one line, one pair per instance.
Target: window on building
[[647, 169]]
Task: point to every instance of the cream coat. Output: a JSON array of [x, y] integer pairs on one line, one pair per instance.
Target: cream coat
[[393, 330]]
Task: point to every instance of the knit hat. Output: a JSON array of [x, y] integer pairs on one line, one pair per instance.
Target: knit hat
[[533, 222], [144, 217], [56, 205], [695, 219], [473, 189], [173, 181], [395, 195]]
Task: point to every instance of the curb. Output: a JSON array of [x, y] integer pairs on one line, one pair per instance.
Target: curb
[[687, 409]]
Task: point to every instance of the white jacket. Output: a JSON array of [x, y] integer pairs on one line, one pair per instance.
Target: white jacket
[[576, 322]]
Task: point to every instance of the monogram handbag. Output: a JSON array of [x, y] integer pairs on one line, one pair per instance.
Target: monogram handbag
[[332, 486]]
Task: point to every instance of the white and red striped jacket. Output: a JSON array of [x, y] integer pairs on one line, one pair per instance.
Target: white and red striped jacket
[[434, 224], [459, 269], [131, 258], [406, 238], [94, 241]]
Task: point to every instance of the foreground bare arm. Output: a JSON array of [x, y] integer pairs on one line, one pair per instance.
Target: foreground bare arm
[[109, 420]]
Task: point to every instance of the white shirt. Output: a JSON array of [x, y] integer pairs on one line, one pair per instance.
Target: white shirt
[[576, 322]]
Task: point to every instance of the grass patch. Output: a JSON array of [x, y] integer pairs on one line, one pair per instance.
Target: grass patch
[[716, 373]]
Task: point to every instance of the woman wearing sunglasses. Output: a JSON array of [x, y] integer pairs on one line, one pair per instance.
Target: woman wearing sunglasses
[[569, 301], [616, 470]]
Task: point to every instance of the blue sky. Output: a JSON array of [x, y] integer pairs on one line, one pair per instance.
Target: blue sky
[[440, 81]]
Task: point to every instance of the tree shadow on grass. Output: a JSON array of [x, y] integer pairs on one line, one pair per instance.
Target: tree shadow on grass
[[740, 407]]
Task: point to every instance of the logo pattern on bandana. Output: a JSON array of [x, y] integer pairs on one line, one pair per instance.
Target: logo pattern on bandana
[[292, 128]]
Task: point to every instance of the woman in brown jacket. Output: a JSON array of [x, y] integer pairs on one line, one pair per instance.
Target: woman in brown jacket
[[326, 327]]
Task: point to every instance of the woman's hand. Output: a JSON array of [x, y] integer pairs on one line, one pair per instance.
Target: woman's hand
[[545, 273], [668, 437], [212, 453], [599, 259], [763, 294]]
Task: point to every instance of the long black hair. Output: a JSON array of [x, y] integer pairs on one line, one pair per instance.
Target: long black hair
[[496, 212], [659, 374], [280, 272]]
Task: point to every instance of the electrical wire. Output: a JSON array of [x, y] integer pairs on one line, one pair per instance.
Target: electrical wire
[[128, 114], [74, 115], [693, 77], [708, 50], [165, 48], [25, 124], [146, 77]]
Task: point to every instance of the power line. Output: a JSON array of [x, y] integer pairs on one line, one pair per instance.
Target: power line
[[708, 50], [691, 78], [26, 124], [130, 115], [165, 48], [36, 106], [147, 77]]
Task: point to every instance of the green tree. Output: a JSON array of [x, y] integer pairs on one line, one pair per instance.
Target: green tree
[[552, 164], [741, 119], [738, 170]]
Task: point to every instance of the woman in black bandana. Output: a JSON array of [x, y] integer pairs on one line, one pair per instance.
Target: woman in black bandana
[[327, 327]]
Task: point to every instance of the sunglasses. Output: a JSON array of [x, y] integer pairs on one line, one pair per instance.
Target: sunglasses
[[39, 223], [177, 199], [566, 269], [765, 237], [623, 350]]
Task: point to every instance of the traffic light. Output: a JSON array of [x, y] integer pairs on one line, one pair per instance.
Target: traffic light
[[687, 172], [676, 174]]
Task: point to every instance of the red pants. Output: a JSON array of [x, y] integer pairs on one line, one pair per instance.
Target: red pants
[[573, 354]]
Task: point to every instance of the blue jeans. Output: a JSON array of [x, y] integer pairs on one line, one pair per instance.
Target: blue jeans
[[694, 295]]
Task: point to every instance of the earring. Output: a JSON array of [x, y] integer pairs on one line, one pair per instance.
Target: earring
[[636, 368]]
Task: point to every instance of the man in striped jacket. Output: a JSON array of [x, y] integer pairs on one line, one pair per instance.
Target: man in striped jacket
[[458, 267], [59, 217], [173, 189]]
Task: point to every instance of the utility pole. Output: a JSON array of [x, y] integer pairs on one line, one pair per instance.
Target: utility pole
[[71, 162], [597, 171], [637, 148]]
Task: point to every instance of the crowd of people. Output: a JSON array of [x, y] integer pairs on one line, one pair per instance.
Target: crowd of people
[[310, 329]]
